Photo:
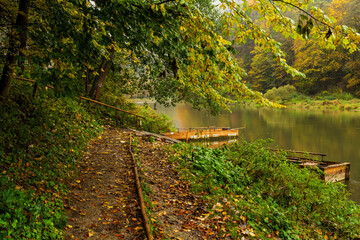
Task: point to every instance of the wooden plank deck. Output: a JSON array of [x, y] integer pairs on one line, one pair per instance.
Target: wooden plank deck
[[203, 133]]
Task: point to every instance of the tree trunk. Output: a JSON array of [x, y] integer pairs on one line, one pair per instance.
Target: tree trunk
[[8, 70], [99, 81]]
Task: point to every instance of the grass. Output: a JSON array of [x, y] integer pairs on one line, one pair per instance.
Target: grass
[[264, 196]]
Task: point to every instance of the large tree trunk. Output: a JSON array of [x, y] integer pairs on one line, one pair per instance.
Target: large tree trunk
[[20, 26], [99, 81]]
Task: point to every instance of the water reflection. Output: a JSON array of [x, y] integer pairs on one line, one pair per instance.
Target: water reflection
[[335, 133]]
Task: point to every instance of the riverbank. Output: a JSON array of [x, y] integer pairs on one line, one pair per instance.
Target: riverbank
[[312, 104], [296, 103]]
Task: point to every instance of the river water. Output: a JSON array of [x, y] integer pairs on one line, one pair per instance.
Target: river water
[[335, 133]]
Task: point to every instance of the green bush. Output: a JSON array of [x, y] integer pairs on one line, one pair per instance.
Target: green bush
[[282, 93], [155, 122], [274, 196]]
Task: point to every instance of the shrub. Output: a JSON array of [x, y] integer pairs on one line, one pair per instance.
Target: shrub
[[280, 94]]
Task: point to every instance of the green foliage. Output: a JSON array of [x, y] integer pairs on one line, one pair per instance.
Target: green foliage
[[282, 93], [265, 73], [170, 50], [24, 215], [275, 197], [155, 122], [40, 141]]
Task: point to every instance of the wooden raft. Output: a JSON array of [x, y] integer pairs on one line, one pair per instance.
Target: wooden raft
[[333, 171], [199, 133]]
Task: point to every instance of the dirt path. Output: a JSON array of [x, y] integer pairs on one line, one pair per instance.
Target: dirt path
[[103, 203], [177, 212]]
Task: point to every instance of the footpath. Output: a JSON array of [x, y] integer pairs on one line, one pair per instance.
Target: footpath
[[103, 202]]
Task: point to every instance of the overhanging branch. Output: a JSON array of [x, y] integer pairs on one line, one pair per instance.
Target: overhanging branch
[[306, 12]]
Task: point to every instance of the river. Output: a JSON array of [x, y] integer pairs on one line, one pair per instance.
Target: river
[[335, 133]]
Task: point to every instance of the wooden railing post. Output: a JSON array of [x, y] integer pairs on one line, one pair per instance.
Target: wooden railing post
[[116, 117]]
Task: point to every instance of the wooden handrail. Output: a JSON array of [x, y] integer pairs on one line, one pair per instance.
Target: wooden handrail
[[32, 81], [104, 104], [88, 99], [26, 79]]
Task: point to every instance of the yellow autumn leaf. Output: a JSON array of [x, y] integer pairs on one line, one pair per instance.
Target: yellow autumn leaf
[[232, 5], [91, 233], [162, 8]]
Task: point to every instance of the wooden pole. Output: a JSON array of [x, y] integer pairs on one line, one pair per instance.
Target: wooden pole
[[32, 81], [104, 104]]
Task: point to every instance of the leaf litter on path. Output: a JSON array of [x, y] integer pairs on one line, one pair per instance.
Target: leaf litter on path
[[103, 203], [177, 212]]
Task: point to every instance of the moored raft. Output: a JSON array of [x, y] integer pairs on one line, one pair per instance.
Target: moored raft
[[333, 171], [201, 133]]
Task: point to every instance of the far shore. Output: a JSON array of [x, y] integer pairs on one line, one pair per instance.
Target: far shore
[[311, 104], [348, 105]]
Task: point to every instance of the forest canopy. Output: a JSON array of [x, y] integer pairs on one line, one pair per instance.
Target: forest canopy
[[172, 50]]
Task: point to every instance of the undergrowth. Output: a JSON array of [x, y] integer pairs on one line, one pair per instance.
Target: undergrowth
[[41, 139], [267, 197]]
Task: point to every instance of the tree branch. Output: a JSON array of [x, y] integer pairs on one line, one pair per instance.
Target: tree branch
[[307, 13], [166, 1]]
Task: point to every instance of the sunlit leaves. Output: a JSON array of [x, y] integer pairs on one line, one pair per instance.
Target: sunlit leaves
[[176, 52]]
